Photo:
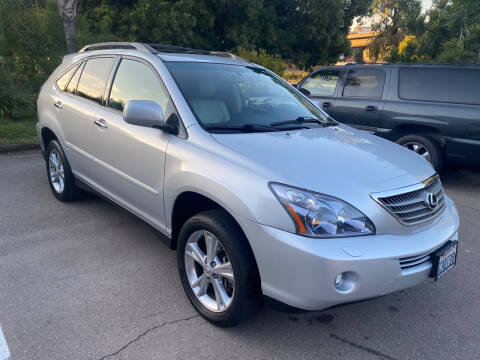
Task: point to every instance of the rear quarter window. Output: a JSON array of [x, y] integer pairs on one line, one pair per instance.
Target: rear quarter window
[[452, 85], [62, 81]]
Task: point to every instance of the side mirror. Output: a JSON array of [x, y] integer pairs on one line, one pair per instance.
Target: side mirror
[[305, 91], [143, 113], [148, 114]]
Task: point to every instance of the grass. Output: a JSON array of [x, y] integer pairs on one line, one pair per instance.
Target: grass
[[18, 132]]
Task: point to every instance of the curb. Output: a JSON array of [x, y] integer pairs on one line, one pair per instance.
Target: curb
[[6, 148]]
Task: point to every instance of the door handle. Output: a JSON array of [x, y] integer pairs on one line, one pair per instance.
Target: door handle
[[371, 108], [101, 123], [326, 104], [58, 105]]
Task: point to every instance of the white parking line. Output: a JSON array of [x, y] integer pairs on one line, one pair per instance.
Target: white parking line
[[4, 352]]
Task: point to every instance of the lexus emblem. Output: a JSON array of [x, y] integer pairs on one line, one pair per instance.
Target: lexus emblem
[[431, 200]]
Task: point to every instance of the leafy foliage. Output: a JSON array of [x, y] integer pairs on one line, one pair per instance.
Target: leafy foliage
[[263, 58], [31, 41], [397, 18], [453, 32], [304, 32], [294, 77], [449, 32]]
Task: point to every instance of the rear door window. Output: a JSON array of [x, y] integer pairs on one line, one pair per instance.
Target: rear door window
[[453, 85], [322, 83], [72, 85], [136, 81], [364, 83], [63, 80], [94, 78]]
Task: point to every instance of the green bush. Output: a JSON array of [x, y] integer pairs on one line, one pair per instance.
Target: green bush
[[263, 58], [294, 77], [15, 104]]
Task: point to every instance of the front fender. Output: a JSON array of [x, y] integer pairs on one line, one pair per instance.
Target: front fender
[[227, 179]]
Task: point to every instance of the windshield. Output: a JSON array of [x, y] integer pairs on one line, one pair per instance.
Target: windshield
[[234, 98]]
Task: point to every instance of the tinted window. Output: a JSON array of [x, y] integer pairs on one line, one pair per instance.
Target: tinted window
[[94, 77], [72, 85], [136, 81], [322, 83], [236, 95], [436, 84], [364, 83], [63, 80]]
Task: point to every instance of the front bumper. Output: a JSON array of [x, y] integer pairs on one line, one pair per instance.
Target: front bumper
[[301, 271]]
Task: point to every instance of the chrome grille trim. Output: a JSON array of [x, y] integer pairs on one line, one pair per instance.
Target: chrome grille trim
[[408, 205]]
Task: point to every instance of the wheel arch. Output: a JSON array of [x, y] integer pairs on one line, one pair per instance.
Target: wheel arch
[[47, 135], [408, 129], [189, 203]]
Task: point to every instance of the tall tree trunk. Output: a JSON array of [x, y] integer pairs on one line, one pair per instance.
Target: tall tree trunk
[[68, 12]]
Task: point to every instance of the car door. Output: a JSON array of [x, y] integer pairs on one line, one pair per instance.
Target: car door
[[320, 87], [78, 105], [131, 157], [360, 102]]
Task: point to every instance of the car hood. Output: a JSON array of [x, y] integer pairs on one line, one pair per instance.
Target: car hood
[[337, 160]]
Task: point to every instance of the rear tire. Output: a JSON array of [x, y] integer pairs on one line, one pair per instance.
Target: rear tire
[[242, 294], [59, 173], [425, 146]]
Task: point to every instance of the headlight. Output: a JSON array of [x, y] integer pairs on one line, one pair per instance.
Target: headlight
[[319, 215]]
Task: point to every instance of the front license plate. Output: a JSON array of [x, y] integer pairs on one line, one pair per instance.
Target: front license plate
[[445, 259]]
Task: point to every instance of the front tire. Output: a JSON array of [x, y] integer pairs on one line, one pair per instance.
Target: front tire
[[217, 268], [59, 173]]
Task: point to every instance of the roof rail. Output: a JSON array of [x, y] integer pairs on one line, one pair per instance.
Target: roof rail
[[118, 45], [155, 49], [173, 48], [226, 54]]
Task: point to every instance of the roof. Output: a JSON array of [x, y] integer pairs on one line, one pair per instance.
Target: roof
[[426, 65], [167, 52]]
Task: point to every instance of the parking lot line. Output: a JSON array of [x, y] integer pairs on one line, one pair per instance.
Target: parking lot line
[[4, 352]]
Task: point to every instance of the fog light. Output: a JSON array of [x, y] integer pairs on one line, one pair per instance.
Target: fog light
[[339, 280], [345, 282]]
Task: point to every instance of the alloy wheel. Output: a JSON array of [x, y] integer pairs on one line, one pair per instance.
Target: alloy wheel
[[56, 171], [420, 149], [209, 271]]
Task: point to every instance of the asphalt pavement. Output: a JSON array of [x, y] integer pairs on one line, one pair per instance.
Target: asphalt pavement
[[88, 280]]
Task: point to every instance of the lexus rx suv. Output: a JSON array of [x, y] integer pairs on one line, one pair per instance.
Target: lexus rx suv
[[260, 193]]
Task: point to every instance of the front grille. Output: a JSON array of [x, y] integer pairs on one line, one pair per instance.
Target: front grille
[[412, 207], [414, 260]]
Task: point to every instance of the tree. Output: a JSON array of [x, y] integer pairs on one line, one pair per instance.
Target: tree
[[263, 58], [358, 55], [31, 46], [68, 12], [395, 20], [307, 33], [452, 33]]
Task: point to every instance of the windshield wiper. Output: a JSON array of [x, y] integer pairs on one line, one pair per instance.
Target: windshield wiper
[[243, 128], [302, 120]]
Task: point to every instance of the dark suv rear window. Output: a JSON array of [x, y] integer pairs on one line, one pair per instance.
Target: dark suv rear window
[[441, 85]]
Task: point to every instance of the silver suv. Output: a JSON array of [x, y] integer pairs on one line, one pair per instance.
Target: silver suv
[[258, 190]]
